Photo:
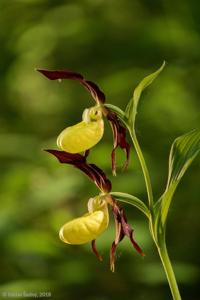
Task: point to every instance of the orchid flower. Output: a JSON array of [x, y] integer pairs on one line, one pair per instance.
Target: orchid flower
[[92, 224], [88, 132], [89, 226]]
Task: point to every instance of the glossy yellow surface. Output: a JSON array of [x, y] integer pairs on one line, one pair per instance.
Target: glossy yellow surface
[[89, 226], [81, 136]]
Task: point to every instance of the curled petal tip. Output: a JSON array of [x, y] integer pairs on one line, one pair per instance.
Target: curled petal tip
[[113, 160], [93, 89], [128, 231], [122, 229], [112, 257], [127, 151], [119, 139], [94, 249]]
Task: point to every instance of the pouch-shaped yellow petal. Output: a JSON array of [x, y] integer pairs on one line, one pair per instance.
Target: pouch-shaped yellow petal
[[81, 137], [84, 229]]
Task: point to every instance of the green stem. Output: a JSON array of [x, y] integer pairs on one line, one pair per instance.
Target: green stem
[[144, 169], [162, 250]]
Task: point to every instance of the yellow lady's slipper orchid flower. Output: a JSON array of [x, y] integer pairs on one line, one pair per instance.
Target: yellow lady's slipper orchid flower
[[89, 226], [84, 135]]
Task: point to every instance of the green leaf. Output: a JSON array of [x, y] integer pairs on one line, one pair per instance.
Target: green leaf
[[183, 151], [127, 198], [131, 109]]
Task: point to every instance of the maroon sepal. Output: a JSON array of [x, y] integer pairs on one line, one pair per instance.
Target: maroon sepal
[[91, 170], [94, 249], [119, 139], [122, 229], [128, 231], [94, 90]]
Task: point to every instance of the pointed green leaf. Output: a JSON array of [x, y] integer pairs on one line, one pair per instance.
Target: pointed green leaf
[[130, 199], [183, 151], [131, 109]]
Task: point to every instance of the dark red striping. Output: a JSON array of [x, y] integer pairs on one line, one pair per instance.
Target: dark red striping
[[92, 87], [91, 170], [119, 139]]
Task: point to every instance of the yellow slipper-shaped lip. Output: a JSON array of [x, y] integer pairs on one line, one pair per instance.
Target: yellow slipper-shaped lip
[[81, 137], [84, 229], [89, 226]]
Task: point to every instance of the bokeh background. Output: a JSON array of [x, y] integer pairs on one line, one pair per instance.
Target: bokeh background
[[116, 44]]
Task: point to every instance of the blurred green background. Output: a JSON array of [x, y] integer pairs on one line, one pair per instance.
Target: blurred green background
[[114, 43]]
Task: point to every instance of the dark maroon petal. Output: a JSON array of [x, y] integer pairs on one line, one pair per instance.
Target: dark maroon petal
[[91, 170], [94, 90], [112, 256], [119, 139], [96, 93], [128, 231], [119, 235], [67, 158], [103, 181], [113, 161], [122, 229], [127, 151], [61, 74], [94, 249]]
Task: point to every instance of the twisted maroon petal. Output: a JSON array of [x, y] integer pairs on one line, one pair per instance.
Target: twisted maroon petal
[[128, 231], [119, 139], [112, 256], [68, 158], [91, 170], [94, 249], [119, 235], [104, 182], [122, 229], [94, 90]]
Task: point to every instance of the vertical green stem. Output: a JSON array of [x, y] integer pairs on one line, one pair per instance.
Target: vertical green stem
[[162, 250], [144, 168]]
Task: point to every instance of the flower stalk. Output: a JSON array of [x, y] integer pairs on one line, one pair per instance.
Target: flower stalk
[[144, 168], [163, 253], [160, 242]]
